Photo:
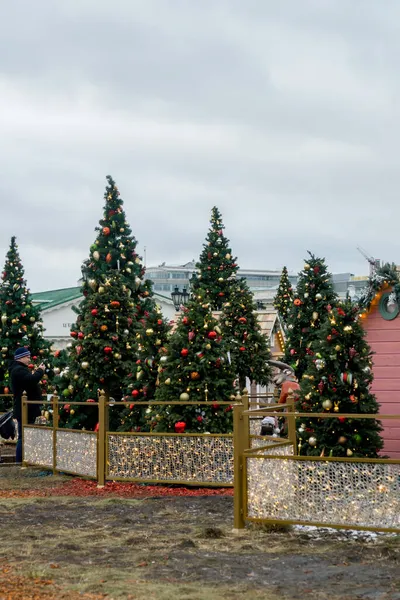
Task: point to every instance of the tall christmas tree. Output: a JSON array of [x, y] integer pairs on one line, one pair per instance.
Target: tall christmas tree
[[141, 383], [101, 354], [21, 323], [195, 368], [284, 296], [313, 298], [216, 267], [249, 348], [116, 299], [338, 379]]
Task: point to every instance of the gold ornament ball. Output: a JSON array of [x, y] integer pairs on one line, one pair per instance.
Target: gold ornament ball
[[184, 397], [76, 377], [342, 439], [168, 381], [149, 332], [70, 388], [85, 365], [117, 355], [208, 346], [72, 412], [349, 452], [101, 289], [312, 441], [338, 348], [327, 404], [220, 279], [306, 267]]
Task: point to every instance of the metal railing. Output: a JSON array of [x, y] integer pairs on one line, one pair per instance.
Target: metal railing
[[277, 486], [191, 458]]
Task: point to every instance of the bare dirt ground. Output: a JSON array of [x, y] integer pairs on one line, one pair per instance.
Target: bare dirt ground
[[174, 548]]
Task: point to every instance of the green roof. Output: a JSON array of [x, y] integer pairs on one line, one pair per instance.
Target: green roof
[[52, 298]]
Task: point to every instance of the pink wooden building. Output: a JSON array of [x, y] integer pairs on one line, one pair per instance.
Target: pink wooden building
[[382, 325]]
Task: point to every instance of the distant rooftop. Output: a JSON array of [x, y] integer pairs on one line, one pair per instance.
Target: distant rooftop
[[53, 298]]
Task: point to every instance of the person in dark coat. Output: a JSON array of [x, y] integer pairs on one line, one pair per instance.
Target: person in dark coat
[[23, 380]]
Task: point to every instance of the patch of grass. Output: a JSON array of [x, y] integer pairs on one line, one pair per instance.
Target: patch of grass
[[212, 533], [113, 501], [271, 527], [122, 584]]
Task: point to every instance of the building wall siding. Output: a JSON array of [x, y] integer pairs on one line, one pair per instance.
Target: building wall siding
[[384, 338]]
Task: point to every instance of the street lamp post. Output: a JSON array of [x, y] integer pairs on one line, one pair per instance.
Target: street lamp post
[[180, 298]]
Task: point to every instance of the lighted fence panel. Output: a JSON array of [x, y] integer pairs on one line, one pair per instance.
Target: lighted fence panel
[[331, 493], [38, 446], [77, 452], [206, 459]]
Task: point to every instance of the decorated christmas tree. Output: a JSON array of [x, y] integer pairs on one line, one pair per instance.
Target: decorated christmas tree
[[116, 299], [21, 323], [248, 347], [60, 361], [284, 296], [102, 352], [195, 368], [140, 384], [338, 379], [216, 267], [313, 298]]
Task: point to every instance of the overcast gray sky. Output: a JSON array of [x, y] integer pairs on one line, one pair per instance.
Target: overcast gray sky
[[285, 114]]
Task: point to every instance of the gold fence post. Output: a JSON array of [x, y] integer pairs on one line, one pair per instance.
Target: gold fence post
[[55, 427], [101, 439], [24, 421], [238, 459]]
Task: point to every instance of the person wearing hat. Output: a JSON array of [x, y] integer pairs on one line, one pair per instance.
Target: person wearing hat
[[23, 380]]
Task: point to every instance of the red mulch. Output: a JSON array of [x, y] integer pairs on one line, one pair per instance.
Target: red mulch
[[83, 488]]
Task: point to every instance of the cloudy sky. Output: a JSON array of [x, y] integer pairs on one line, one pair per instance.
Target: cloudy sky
[[283, 114]]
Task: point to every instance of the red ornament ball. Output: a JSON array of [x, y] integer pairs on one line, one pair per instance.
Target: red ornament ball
[[73, 334], [94, 312], [212, 335], [80, 335], [135, 393], [242, 320], [184, 352], [107, 349], [106, 230], [242, 349]]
